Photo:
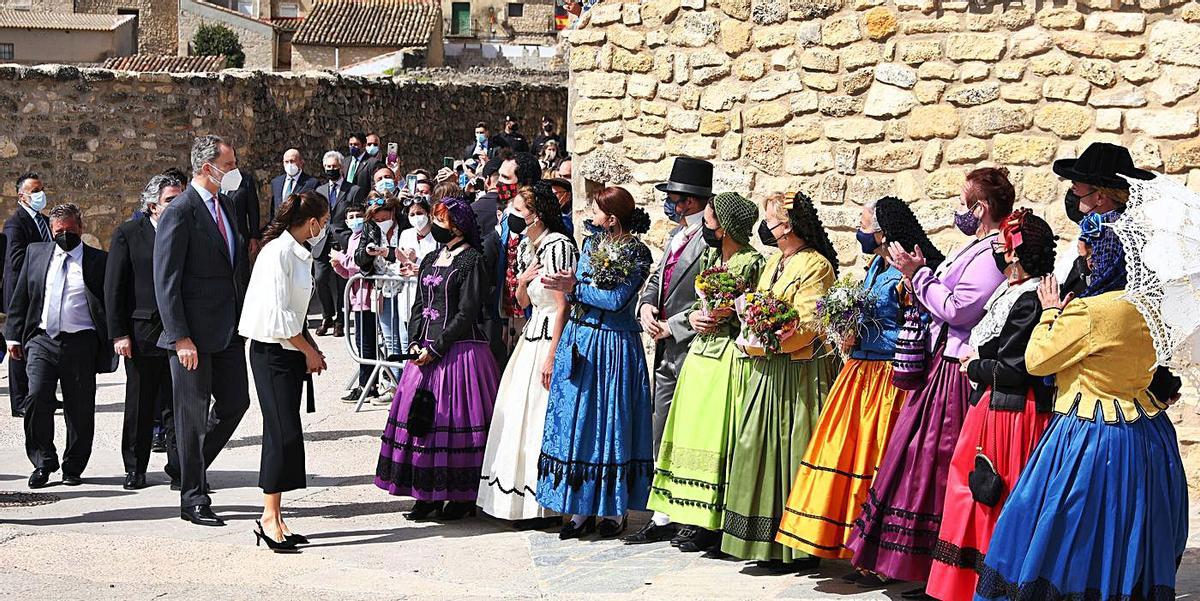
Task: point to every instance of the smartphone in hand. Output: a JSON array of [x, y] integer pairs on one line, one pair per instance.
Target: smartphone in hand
[[392, 153]]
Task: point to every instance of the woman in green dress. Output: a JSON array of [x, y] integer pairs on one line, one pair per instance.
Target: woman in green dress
[[689, 480], [783, 395]]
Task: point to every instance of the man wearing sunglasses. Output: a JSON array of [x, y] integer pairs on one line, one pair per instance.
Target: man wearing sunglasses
[[134, 325]]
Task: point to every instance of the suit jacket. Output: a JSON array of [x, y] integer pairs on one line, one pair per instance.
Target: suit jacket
[[681, 291], [366, 168], [246, 213], [495, 143], [337, 233], [199, 289], [129, 297], [304, 182], [29, 294], [484, 207], [20, 231]]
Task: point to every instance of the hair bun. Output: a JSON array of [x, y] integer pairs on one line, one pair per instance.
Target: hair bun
[[638, 222]]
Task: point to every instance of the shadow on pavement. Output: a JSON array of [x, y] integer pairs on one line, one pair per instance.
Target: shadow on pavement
[[319, 436]]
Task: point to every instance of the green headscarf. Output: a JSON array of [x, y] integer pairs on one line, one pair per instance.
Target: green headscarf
[[736, 214]]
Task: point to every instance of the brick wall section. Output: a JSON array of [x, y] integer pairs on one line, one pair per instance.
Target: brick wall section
[[96, 136], [851, 100], [157, 21]]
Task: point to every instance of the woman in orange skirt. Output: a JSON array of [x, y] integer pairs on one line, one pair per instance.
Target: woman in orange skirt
[[1009, 409], [853, 429]]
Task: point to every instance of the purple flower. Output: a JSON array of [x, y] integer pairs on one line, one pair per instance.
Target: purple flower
[[430, 313], [432, 280]]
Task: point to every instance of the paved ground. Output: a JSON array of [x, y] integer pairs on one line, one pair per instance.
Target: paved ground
[[98, 541]]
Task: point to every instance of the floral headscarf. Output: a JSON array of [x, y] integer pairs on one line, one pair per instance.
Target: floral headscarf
[[1108, 255]]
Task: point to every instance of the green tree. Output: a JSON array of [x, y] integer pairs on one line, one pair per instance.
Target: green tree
[[216, 39]]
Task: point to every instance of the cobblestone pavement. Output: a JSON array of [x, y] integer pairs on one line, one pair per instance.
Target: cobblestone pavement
[[98, 541]]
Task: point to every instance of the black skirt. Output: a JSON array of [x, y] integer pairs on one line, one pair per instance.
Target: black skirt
[[279, 376]]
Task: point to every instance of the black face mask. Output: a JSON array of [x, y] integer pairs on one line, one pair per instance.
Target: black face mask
[[516, 223], [333, 174], [67, 240], [1001, 262], [710, 236], [766, 235], [441, 235]]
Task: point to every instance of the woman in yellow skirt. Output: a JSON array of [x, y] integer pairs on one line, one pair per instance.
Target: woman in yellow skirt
[[853, 429]]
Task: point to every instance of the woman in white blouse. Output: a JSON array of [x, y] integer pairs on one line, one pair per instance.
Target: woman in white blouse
[[283, 355]]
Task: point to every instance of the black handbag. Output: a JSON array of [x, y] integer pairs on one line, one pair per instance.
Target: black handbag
[[420, 413], [985, 483]]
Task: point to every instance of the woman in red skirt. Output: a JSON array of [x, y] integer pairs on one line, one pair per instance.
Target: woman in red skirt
[[1009, 408]]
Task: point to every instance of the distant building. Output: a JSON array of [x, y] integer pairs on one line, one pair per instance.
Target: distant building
[[31, 37], [340, 33], [154, 21], [521, 33], [264, 27], [166, 64]]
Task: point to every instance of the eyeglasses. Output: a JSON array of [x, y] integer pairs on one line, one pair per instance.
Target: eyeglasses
[[409, 201], [379, 202]]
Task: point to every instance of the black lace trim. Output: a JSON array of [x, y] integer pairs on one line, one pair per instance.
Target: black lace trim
[[903, 513], [447, 429], [689, 481], [750, 527], [810, 543], [817, 517], [416, 448], [519, 491], [993, 585], [967, 558], [406, 475], [838, 472], [873, 511], [578, 472], [545, 335], [672, 499]]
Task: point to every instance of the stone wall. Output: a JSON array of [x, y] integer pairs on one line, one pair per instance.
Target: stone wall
[[157, 21], [96, 136], [257, 37], [850, 100]]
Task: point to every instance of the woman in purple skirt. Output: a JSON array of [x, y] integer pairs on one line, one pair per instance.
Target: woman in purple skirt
[[896, 533], [437, 428]]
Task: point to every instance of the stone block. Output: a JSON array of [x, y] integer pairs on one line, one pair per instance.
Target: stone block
[[929, 92], [966, 151], [947, 23], [1190, 13], [1183, 156], [880, 23], [1110, 22], [1029, 42], [692, 145], [764, 115], [631, 14], [783, 59], [722, 97], [600, 85], [888, 101], [854, 129], [631, 62], [694, 29], [931, 157], [1054, 63], [642, 86], [714, 124], [863, 189], [890, 158], [845, 157], [936, 70], [629, 39], [804, 102], [647, 125], [897, 75], [915, 52], [582, 59], [975, 71], [1010, 71], [1059, 17], [933, 121], [772, 86], [1099, 72], [729, 147], [975, 46], [839, 31], [819, 59], [1140, 71], [703, 76], [766, 12], [808, 159], [1121, 49], [738, 9], [683, 121], [658, 109], [973, 94], [945, 183], [1014, 18], [749, 68], [826, 189], [808, 33], [1124, 96], [1066, 87], [1066, 120], [832, 105], [1039, 186], [764, 150], [608, 13], [1163, 123], [989, 121], [734, 36], [644, 149], [1146, 154], [1175, 84], [859, 55], [587, 110], [821, 81], [667, 68], [807, 129], [1108, 119], [1010, 149], [774, 36], [857, 82], [582, 37], [1022, 91]]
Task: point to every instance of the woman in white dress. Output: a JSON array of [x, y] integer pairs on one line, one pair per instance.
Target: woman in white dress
[[508, 482]]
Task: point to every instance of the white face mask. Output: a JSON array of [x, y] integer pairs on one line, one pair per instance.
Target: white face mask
[[37, 200], [419, 221], [384, 225], [291, 169], [231, 180], [315, 240]]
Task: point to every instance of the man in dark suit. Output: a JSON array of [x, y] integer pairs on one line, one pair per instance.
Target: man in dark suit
[[293, 181], [485, 145], [201, 271], [354, 164], [331, 287], [372, 161], [247, 217], [56, 322], [135, 327], [26, 226], [513, 138]]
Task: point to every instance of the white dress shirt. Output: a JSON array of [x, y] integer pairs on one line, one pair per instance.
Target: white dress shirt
[[280, 287], [421, 246], [65, 304], [213, 209], [691, 225]]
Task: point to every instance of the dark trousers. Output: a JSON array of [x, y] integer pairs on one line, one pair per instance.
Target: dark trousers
[[18, 385], [147, 388], [367, 339], [279, 376], [68, 360], [209, 403], [331, 290]]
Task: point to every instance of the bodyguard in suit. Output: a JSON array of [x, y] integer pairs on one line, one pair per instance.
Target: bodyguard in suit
[[56, 322], [200, 275], [26, 226], [331, 288], [135, 327], [668, 296], [294, 180], [247, 217], [358, 165], [485, 143], [372, 161]]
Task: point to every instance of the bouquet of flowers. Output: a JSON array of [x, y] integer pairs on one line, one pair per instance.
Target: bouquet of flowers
[[841, 313], [614, 260], [765, 317], [718, 288]]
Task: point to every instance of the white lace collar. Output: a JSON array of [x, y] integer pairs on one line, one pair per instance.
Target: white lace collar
[[998, 308]]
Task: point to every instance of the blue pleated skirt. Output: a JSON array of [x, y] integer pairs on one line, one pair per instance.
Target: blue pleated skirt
[[597, 450], [1100, 512]]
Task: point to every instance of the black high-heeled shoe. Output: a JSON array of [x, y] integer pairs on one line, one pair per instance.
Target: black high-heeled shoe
[[457, 510], [570, 530], [424, 510], [608, 528], [284, 546], [296, 539]]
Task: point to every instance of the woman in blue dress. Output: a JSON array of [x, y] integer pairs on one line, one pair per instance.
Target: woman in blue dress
[[597, 456]]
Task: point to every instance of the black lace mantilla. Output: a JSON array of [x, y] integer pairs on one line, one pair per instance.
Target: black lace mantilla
[[578, 472], [406, 475], [993, 585]]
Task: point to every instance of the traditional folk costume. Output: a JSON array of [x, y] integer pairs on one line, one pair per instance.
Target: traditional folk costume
[[897, 530], [783, 397], [852, 432]]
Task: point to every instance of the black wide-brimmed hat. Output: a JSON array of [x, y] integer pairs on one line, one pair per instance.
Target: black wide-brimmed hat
[[1101, 164], [689, 176]]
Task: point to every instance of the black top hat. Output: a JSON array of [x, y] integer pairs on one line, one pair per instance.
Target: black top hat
[[1101, 164], [689, 176]]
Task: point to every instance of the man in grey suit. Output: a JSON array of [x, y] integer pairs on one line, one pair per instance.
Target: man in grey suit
[[201, 271], [668, 297]]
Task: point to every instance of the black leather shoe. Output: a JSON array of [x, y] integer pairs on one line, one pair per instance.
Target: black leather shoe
[[685, 534], [611, 528], [72, 479], [339, 330], [200, 515], [18, 413], [158, 444], [353, 395], [296, 539], [651, 533], [701, 540], [570, 530], [39, 478], [457, 510], [424, 510], [134, 481]]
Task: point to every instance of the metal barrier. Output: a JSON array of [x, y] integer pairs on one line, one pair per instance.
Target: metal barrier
[[382, 368]]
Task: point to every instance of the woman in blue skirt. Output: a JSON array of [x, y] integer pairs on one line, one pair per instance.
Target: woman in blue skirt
[[597, 457]]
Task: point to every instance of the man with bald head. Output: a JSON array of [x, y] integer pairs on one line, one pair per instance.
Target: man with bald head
[[293, 181]]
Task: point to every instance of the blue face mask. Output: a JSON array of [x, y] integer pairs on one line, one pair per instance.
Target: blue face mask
[[355, 151], [355, 224], [669, 211], [592, 228], [866, 241], [372, 149], [480, 139], [386, 186]]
